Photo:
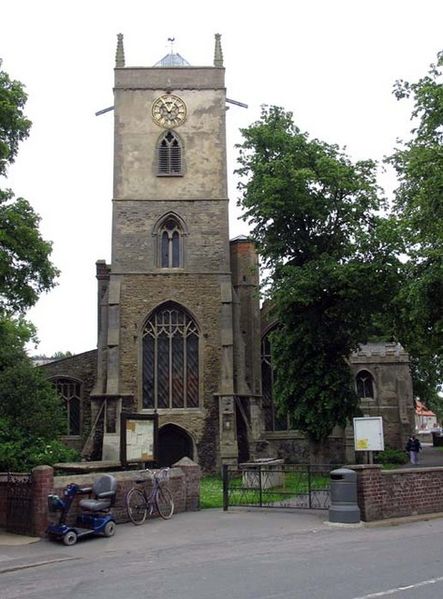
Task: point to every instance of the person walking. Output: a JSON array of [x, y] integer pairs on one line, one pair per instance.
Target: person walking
[[413, 446]]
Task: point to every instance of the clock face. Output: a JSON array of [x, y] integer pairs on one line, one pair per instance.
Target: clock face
[[169, 111]]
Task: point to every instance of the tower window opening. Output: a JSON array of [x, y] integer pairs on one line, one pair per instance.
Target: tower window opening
[[365, 385], [169, 154], [171, 244]]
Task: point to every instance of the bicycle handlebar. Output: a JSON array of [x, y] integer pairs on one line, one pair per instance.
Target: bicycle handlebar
[[160, 476]]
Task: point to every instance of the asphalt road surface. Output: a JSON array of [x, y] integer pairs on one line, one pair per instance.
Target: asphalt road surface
[[235, 555]]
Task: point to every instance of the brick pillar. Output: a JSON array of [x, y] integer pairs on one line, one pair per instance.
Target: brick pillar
[[192, 474], [42, 486], [369, 491]]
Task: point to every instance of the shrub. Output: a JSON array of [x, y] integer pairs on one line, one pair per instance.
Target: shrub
[[391, 456], [19, 453]]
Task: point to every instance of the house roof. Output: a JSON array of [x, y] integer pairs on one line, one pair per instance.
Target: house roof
[[422, 410]]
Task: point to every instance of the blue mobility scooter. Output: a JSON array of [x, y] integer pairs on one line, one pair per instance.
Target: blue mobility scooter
[[95, 517]]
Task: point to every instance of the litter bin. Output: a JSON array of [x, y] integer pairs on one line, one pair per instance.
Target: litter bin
[[344, 507]]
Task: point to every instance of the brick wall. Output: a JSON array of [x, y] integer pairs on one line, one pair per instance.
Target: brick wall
[[395, 493], [184, 484]]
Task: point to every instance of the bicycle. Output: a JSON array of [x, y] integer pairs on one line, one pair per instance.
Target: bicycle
[[139, 501]]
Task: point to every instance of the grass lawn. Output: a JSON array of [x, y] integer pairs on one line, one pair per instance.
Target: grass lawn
[[211, 489], [211, 492]]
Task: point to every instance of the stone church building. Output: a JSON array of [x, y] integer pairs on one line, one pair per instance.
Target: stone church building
[[179, 325]]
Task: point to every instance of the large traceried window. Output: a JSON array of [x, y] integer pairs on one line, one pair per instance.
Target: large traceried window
[[170, 359], [70, 391], [365, 385], [169, 155]]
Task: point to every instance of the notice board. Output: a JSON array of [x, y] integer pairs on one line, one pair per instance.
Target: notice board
[[368, 434], [138, 438]]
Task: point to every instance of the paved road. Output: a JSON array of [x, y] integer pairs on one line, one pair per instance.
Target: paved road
[[239, 555], [430, 456]]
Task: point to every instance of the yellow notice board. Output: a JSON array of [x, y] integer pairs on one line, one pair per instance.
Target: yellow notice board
[[368, 433], [138, 438]]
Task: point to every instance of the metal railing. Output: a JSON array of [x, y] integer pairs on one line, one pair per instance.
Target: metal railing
[[298, 486]]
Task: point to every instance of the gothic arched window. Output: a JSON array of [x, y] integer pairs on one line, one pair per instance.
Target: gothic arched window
[[171, 244], [273, 421], [365, 385], [169, 155], [70, 391], [170, 359]]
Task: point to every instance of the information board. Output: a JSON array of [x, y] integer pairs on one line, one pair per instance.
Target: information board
[[138, 438], [368, 434]]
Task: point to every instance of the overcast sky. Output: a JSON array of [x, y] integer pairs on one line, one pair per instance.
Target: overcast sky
[[331, 62]]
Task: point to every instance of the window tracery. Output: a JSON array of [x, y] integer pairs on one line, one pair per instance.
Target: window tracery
[[169, 155], [171, 244], [170, 359], [365, 385], [70, 391]]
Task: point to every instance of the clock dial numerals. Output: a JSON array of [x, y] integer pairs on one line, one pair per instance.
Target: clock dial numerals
[[169, 111]]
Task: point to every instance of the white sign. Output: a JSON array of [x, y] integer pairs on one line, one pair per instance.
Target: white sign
[[139, 440], [368, 434]]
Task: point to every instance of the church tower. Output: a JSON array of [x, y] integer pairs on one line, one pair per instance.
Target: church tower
[[166, 335]]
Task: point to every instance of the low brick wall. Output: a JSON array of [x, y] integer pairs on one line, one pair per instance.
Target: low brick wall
[[395, 493], [184, 483]]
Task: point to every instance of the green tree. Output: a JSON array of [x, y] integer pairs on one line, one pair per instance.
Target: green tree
[[330, 259], [25, 268], [418, 207], [31, 415], [14, 126]]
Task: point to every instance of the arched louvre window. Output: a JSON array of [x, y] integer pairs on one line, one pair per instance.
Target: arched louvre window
[[170, 359], [365, 385], [171, 244], [169, 155], [70, 391]]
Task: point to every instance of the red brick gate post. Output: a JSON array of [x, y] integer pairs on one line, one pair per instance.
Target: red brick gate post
[[42, 486], [370, 492]]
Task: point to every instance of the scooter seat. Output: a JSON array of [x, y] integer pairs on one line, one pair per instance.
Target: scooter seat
[[95, 505]]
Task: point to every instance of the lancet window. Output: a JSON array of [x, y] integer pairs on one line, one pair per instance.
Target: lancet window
[[169, 155], [171, 244], [273, 421], [365, 385], [70, 392]]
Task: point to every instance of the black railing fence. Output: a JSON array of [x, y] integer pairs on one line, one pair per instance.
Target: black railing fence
[[16, 502], [267, 485]]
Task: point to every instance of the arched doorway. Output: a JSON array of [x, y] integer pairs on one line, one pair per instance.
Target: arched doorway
[[174, 443]]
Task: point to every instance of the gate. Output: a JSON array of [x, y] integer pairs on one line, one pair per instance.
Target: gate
[[19, 503], [300, 486]]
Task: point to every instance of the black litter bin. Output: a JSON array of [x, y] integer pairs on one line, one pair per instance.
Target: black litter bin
[[344, 508]]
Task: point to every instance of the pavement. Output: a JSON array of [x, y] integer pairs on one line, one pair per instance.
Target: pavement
[[14, 546], [429, 457], [18, 552]]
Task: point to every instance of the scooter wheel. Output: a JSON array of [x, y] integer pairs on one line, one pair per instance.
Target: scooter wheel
[[109, 529], [70, 538]]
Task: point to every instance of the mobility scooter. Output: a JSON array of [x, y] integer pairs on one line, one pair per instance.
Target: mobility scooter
[[95, 517]]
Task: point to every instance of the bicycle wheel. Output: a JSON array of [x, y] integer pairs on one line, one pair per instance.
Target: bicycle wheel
[[136, 506], [164, 503]]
